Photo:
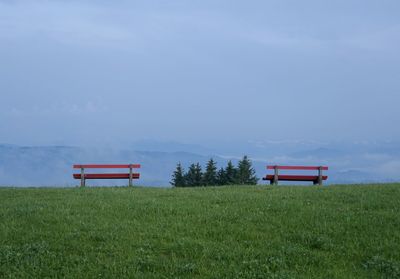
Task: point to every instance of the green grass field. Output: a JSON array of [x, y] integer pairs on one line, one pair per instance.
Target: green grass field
[[221, 232]]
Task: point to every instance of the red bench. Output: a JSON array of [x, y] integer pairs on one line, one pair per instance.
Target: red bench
[[83, 176], [316, 179]]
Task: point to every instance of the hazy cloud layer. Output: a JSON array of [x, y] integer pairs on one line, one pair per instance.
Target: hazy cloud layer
[[52, 165], [110, 71]]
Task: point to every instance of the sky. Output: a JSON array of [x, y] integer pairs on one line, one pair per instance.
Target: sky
[[78, 72]]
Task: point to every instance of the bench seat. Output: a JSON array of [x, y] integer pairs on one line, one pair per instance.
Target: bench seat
[[295, 177], [107, 175], [83, 176], [316, 179]]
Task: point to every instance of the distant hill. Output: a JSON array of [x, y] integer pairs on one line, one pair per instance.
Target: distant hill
[[52, 165]]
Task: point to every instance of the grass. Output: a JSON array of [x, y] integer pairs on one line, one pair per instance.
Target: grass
[[217, 232]]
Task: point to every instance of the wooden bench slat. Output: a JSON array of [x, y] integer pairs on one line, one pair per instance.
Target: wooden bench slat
[[96, 166], [296, 167], [295, 177], [83, 176], [107, 175]]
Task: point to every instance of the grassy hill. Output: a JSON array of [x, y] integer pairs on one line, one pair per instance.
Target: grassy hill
[[221, 232]]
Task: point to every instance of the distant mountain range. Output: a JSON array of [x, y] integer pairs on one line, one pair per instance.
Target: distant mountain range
[[52, 165]]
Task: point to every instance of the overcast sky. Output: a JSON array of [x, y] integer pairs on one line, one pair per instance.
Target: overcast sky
[[194, 71]]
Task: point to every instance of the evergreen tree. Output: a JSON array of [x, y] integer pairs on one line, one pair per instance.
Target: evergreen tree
[[210, 176], [189, 177], [230, 174], [194, 175], [178, 177], [221, 177], [198, 175], [246, 175]]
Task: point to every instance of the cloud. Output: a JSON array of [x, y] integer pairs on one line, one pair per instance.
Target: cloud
[[66, 22], [124, 26], [384, 38], [187, 66], [57, 109], [390, 169]]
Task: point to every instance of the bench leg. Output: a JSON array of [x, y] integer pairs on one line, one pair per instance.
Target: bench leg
[[276, 175], [82, 177], [130, 176], [320, 176], [317, 182], [273, 182]]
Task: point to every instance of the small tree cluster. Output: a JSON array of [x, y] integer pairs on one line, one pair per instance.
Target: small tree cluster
[[243, 174]]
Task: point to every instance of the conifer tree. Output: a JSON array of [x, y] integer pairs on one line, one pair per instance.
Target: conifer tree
[[221, 177], [210, 175], [246, 175], [230, 174], [189, 177], [194, 175], [178, 177], [198, 175]]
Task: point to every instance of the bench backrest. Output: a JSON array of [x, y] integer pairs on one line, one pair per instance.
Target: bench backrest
[[297, 167], [133, 166], [276, 177], [82, 176]]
